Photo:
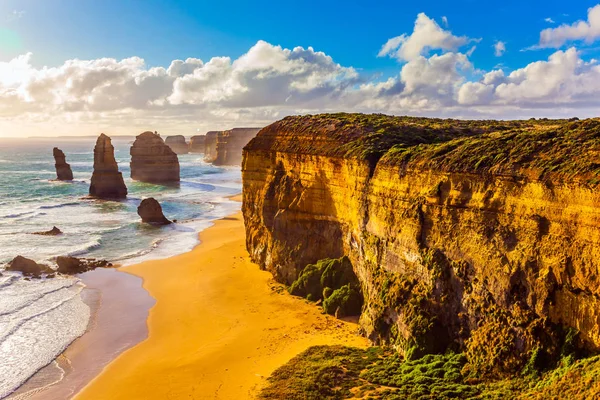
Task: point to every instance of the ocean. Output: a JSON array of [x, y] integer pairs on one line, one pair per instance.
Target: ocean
[[40, 318]]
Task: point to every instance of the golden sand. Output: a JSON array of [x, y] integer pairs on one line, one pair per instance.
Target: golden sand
[[220, 326]]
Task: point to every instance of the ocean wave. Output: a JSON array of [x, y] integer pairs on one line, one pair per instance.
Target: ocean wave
[[140, 253], [61, 205], [17, 215], [95, 243]]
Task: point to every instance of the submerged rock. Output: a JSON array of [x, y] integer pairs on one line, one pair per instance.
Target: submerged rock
[[71, 265], [107, 181], [151, 212], [28, 267], [52, 232], [152, 160], [197, 144], [63, 170], [177, 143]]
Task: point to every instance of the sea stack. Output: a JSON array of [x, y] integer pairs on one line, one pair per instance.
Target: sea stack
[[230, 144], [177, 144], [152, 160], [197, 144], [107, 181], [151, 212], [210, 145], [63, 170]]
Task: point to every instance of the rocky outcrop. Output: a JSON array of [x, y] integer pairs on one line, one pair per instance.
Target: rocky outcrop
[[107, 182], [152, 160], [456, 230], [28, 267], [63, 170], [151, 212], [210, 145], [72, 265], [230, 144], [52, 232], [177, 143], [196, 144]]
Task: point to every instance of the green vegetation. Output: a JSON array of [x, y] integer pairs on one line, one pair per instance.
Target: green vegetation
[[332, 281], [338, 372]]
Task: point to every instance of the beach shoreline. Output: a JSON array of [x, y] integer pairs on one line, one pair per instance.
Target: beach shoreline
[[219, 326]]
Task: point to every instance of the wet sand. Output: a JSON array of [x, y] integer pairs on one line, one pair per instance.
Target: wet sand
[[119, 311], [219, 327]]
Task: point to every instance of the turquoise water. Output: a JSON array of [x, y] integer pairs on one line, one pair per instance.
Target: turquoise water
[[31, 201]]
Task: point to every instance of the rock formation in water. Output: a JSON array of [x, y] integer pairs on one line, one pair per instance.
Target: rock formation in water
[[63, 170], [230, 144], [107, 182], [210, 146], [52, 232], [457, 230], [152, 160], [196, 144], [151, 212], [177, 143], [71, 265], [28, 267]]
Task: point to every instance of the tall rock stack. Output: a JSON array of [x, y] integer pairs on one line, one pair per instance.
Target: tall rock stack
[[152, 160], [177, 143], [63, 170], [230, 144], [210, 145], [107, 181], [197, 144]]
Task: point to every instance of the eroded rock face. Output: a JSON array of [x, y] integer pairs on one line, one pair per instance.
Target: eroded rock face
[[71, 265], [230, 144], [63, 170], [107, 182], [485, 228], [210, 145], [28, 267], [151, 212], [197, 144], [177, 143], [152, 160]]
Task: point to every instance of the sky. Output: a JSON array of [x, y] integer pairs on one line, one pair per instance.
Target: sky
[[80, 67]]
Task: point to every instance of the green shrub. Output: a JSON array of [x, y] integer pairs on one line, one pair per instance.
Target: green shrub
[[345, 300]]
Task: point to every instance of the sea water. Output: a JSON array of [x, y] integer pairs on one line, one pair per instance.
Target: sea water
[[39, 318]]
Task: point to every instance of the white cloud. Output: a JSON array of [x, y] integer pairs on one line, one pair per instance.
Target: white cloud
[[499, 48], [549, 20], [15, 15], [427, 35], [587, 31], [445, 21]]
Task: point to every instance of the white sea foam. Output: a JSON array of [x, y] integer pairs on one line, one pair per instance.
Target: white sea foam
[[38, 320]]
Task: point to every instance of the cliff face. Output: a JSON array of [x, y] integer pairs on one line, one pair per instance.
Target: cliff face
[[230, 144], [152, 160], [107, 182], [459, 231], [63, 169], [210, 145], [178, 144], [196, 144]]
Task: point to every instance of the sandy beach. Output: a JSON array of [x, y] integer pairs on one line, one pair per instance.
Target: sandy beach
[[219, 327]]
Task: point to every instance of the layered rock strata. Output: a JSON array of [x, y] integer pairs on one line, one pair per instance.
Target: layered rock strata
[[63, 169], [178, 144], [196, 144], [152, 160], [457, 230], [230, 144], [107, 182], [210, 145]]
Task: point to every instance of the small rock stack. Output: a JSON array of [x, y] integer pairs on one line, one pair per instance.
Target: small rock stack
[[151, 212], [177, 143], [197, 144], [63, 170], [152, 160], [107, 181]]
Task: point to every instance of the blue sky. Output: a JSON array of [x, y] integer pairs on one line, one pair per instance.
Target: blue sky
[[351, 33]]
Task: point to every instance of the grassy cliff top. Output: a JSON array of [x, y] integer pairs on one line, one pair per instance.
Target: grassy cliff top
[[538, 147]]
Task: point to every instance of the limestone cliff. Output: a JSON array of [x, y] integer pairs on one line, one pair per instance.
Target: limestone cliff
[[210, 145], [230, 144], [107, 182], [63, 169], [152, 160], [460, 232], [196, 144], [178, 144]]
